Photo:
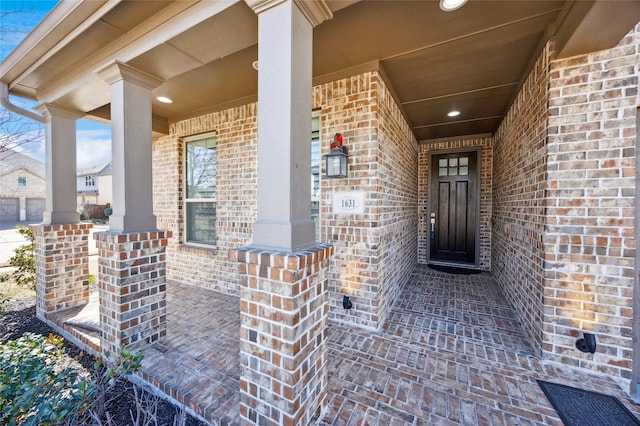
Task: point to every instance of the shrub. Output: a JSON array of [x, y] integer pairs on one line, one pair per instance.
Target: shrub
[[23, 261], [38, 384], [104, 379]]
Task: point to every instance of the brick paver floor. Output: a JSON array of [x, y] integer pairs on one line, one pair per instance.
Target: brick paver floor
[[450, 353]]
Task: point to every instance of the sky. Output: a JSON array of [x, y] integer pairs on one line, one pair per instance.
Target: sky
[[93, 140]]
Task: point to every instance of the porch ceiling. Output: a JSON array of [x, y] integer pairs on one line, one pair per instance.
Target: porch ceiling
[[472, 60]]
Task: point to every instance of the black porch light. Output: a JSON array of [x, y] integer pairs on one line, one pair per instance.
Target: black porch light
[[336, 162]]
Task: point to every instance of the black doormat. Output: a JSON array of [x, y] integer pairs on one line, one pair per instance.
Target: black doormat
[[577, 407], [454, 270]]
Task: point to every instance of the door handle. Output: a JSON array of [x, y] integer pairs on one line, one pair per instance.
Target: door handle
[[433, 226]]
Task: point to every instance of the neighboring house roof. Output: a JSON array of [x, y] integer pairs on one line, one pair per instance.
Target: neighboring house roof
[[99, 170], [11, 160]]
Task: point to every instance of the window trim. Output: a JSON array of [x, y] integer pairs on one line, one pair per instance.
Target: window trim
[[318, 199], [185, 200]]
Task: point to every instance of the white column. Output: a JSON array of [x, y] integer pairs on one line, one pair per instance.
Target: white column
[[60, 163], [285, 50], [131, 147]]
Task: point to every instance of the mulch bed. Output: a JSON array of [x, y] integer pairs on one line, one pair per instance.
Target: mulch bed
[[21, 318]]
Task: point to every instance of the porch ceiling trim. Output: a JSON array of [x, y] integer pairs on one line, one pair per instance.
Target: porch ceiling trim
[[168, 23], [316, 11], [51, 35]]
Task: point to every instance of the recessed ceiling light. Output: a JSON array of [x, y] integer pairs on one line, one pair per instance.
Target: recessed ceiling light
[[453, 113], [164, 100], [255, 65], [449, 5]]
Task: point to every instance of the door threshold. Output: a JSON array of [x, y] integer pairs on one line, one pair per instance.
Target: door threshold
[[453, 264], [454, 268]]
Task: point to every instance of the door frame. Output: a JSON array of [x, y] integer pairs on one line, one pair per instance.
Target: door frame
[[432, 153]]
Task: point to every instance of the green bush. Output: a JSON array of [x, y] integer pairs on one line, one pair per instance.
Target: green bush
[[38, 384], [23, 261]]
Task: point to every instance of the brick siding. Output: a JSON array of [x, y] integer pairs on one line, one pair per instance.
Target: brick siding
[[397, 203], [236, 196], [519, 200], [36, 186], [374, 252], [132, 288], [62, 266], [563, 246], [590, 241], [283, 347]]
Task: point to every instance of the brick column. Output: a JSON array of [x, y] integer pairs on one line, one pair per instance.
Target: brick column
[[283, 351], [62, 266], [132, 288]]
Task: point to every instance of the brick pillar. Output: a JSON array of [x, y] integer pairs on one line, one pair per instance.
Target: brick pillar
[[283, 351], [132, 286], [62, 266]]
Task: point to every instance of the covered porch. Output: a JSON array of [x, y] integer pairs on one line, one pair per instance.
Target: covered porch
[[451, 352], [214, 190]]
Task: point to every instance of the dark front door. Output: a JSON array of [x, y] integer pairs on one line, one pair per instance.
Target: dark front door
[[454, 193]]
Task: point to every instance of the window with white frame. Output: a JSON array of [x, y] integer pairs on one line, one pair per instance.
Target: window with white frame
[[22, 181], [200, 190], [315, 174], [89, 181]]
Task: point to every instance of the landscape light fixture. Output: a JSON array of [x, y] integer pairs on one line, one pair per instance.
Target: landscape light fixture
[[337, 161], [346, 303], [587, 343]]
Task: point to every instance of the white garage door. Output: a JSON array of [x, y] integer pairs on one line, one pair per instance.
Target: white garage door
[[35, 208], [9, 209]]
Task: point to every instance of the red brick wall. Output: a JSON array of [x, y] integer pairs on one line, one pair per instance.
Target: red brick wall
[[397, 201], [374, 252], [590, 241], [236, 142], [563, 245], [519, 201]]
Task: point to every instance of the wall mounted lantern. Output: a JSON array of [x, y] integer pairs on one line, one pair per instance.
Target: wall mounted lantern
[[336, 162]]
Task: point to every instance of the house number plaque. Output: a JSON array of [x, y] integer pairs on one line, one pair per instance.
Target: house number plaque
[[351, 202]]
